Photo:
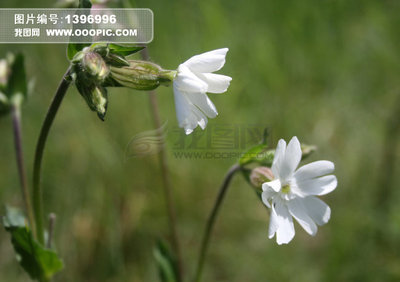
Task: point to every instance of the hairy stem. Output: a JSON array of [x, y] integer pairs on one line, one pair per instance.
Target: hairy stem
[[48, 121], [211, 219], [166, 179], [16, 121]]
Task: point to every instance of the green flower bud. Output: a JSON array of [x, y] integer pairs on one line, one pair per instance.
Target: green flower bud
[[260, 175], [141, 75], [95, 66], [95, 96]]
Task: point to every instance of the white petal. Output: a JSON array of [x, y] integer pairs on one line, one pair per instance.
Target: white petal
[[285, 231], [217, 83], [204, 103], [199, 116], [266, 196], [317, 186], [274, 185], [317, 210], [273, 223], [299, 212], [278, 157], [207, 62], [188, 115], [314, 169], [189, 82], [291, 160]]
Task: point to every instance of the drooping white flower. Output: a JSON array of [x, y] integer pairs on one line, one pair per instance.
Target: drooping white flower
[[194, 79], [292, 192]]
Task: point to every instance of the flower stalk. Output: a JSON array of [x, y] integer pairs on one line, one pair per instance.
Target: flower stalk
[[16, 121], [212, 218], [37, 190]]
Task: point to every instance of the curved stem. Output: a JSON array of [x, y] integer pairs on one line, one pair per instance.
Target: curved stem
[[211, 219], [37, 190], [16, 121]]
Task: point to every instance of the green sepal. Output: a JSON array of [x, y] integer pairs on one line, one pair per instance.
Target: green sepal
[[124, 50], [116, 60], [39, 262], [167, 267]]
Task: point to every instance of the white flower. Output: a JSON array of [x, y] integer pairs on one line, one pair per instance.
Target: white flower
[[291, 193], [193, 80]]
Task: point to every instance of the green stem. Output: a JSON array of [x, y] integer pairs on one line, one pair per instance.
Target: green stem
[[37, 190], [211, 219], [16, 121], [166, 180]]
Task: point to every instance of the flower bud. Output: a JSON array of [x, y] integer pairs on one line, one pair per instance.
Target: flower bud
[[94, 95], [95, 66], [260, 175], [141, 75]]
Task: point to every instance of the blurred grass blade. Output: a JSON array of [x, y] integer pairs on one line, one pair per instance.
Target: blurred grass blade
[[40, 263], [165, 263], [17, 82]]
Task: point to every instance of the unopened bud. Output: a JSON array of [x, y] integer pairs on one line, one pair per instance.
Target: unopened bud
[[142, 75], [260, 175], [95, 96], [94, 64]]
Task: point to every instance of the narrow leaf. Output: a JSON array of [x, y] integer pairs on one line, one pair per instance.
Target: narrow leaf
[[17, 81], [165, 263]]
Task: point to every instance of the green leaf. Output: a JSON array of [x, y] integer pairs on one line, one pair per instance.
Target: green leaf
[[165, 262], [85, 4], [74, 48], [124, 50], [17, 81], [259, 153], [39, 262]]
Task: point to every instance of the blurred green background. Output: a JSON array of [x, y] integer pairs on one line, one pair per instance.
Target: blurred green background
[[326, 71]]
